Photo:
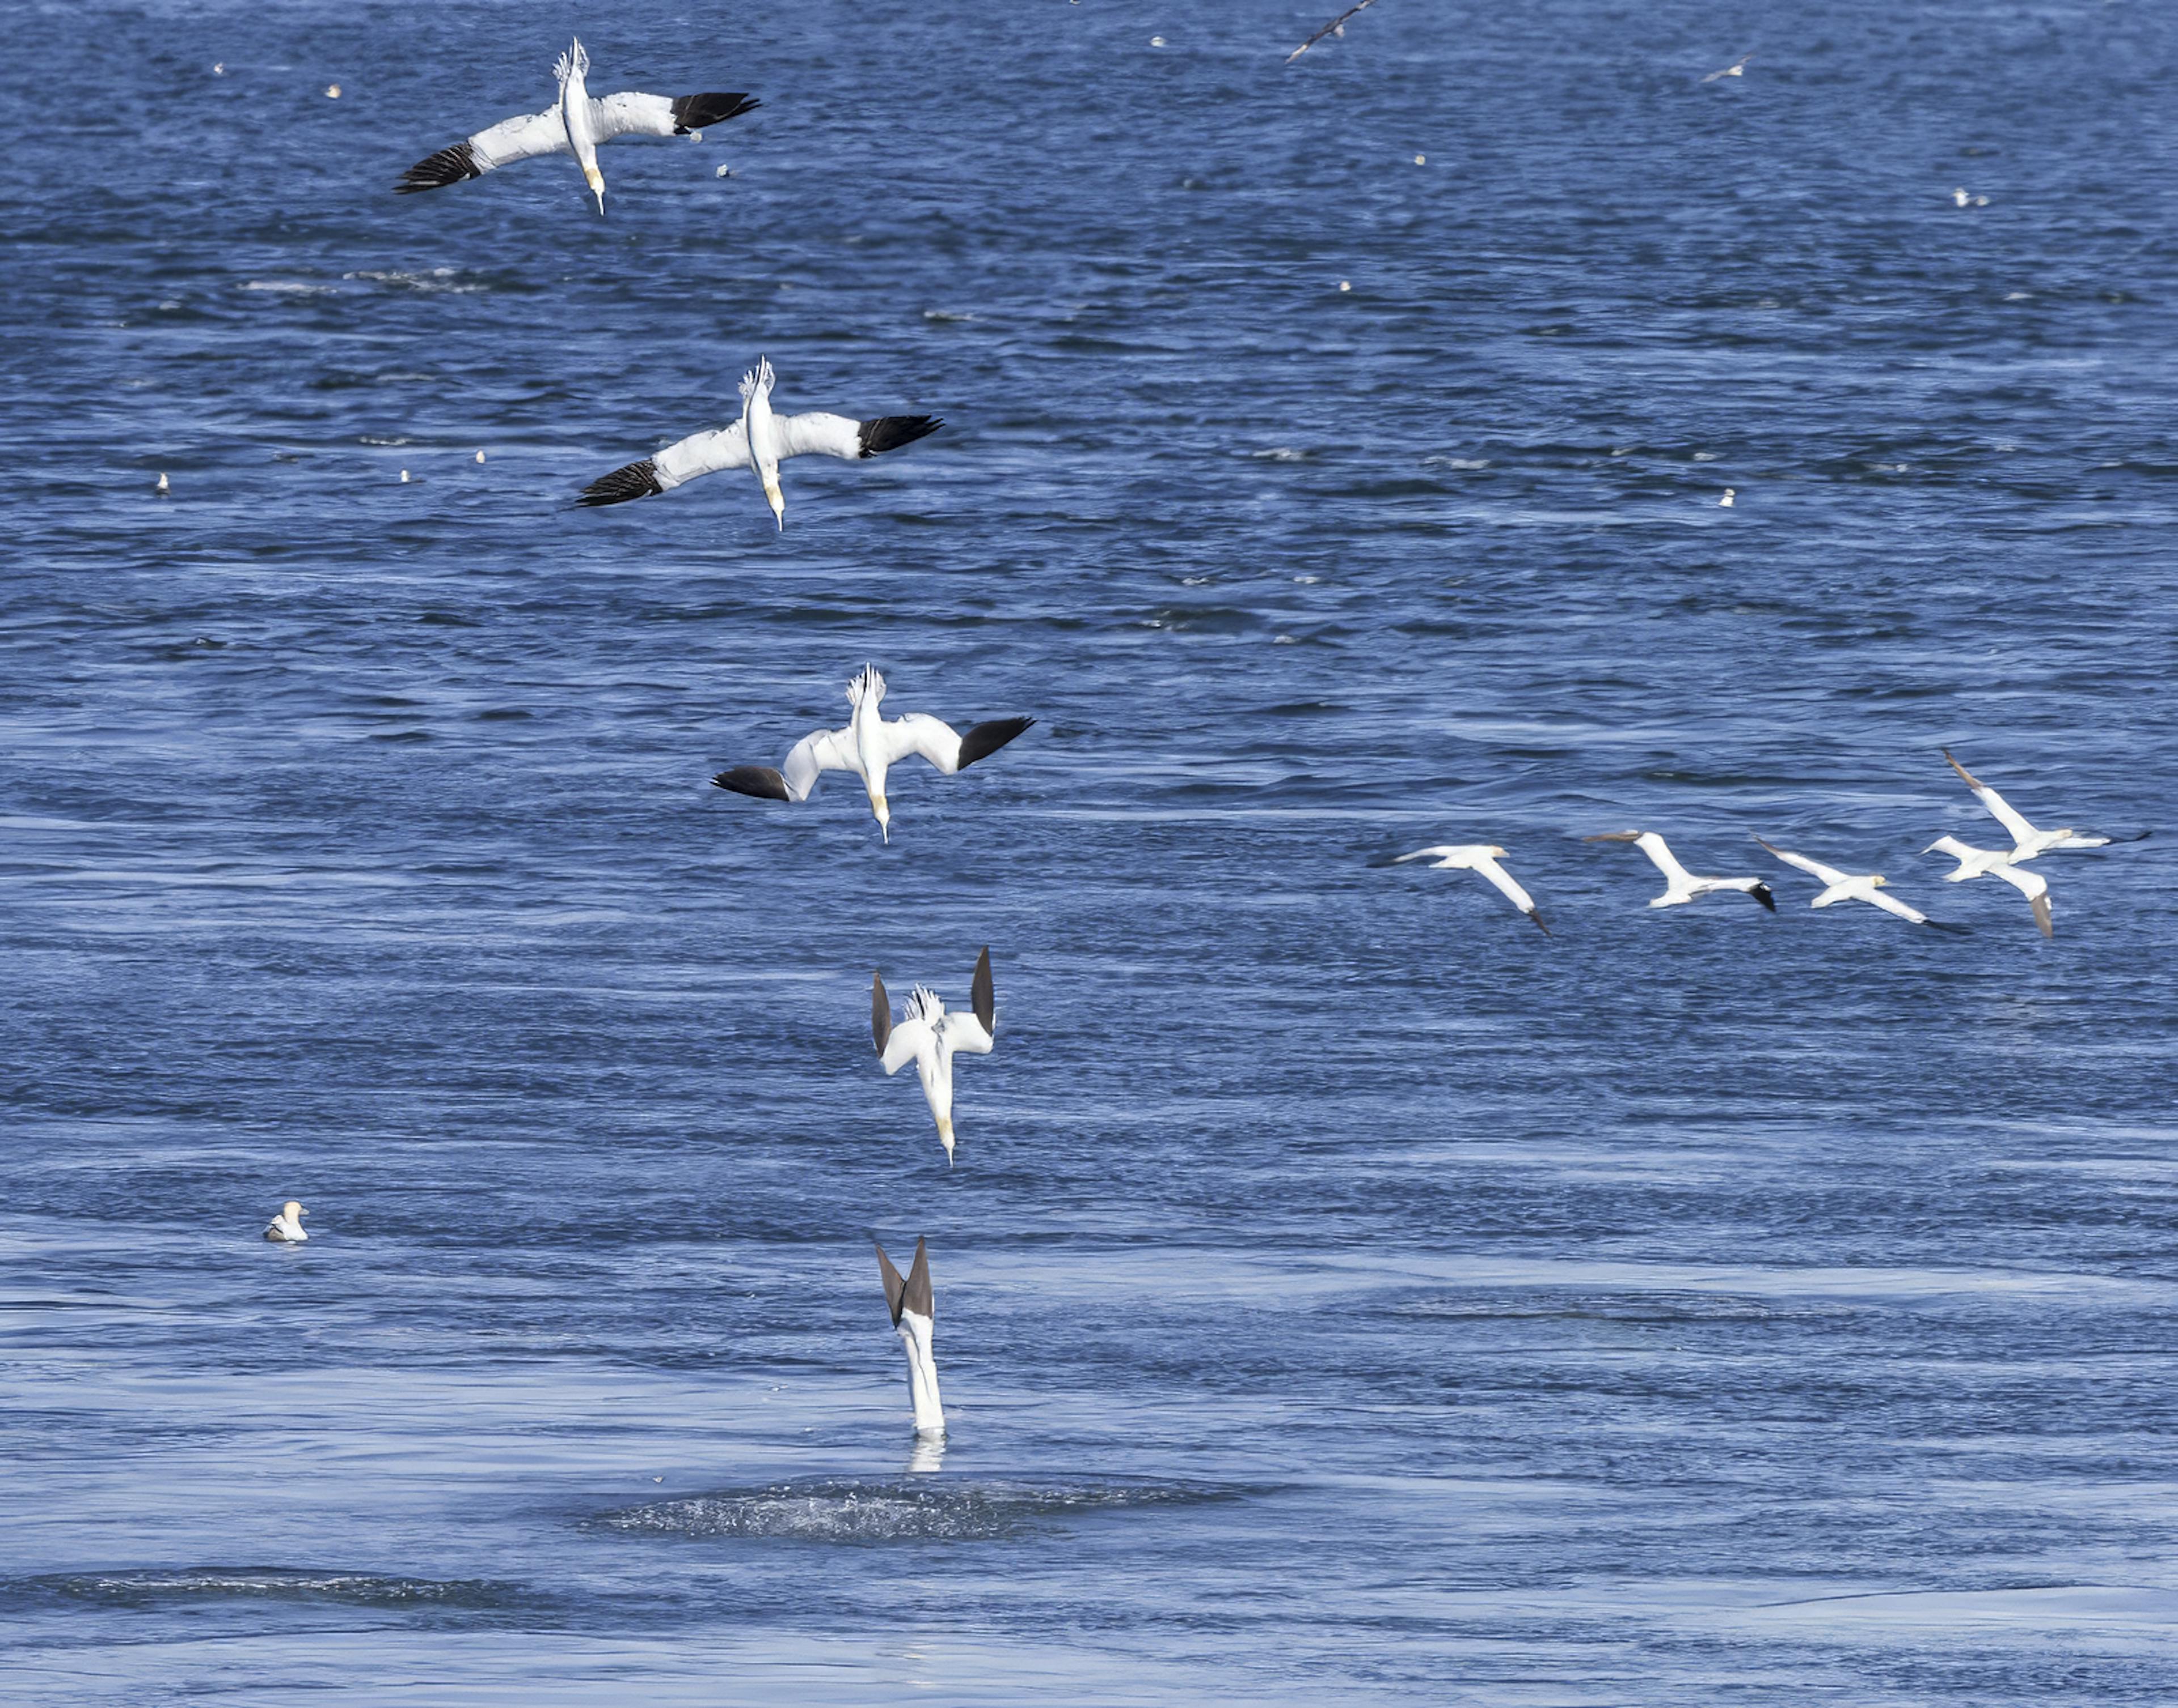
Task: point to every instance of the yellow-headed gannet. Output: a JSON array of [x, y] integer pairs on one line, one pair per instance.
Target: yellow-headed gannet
[[286, 1227], [2027, 841], [931, 1037], [1843, 886], [1680, 885], [1483, 858], [1336, 27], [1991, 862]]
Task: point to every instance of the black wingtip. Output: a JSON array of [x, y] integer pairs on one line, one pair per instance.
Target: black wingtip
[[880, 1014], [987, 738], [637, 480], [896, 1288], [981, 995], [702, 111], [918, 1297], [450, 166], [1761, 893], [890, 432], [758, 780], [1540, 926]]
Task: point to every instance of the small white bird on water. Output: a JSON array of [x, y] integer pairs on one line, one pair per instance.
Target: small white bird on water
[[1680, 885], [1964, 200], [914, 1314], [760, 441], [1843, 886], [931, 1037], [574, 124], [1725, 503], [286, 1227], [1990, 863], [1736, 68], [869, 746], [1483, 858], [2027, 841], [161, 486]]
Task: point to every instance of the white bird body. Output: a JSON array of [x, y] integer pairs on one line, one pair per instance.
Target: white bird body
[[286, 1227], [1844, 887], [870, 746], [1681, 885], [576, 123], [1995, 863], [930, 1037], [1482, 858], [761, 439], [2027, 841], [914, 1315], [1736, 68]]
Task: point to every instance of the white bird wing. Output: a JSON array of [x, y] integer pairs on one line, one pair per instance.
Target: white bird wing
[[701, 454], [509, 140], [2035, 889], [1891, 904], [919, 732], [2022, 831], [1660, 852], [817, 752], [631, 114], [821, 435], [1443, 851], [910, 1039], [1813, 868], [1488, 866], [965, 1034]]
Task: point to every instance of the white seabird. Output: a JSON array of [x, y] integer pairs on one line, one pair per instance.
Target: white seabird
[[286, 1227], [1842, 886], [1736, 68], [574, 124], [1337, 27], [914, 1311], [1680, 885], [2027, 841], [1991, 862], [869, 746], [931, 1037], [1478, 857], [759, 441]]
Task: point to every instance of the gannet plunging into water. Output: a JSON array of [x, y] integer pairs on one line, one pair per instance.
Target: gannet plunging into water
[[1336, 27], [1478, 857], [930, 1037], [914, 1310], [1989, 863], [2027, 841], [1736, 68], [286, 1228], [759, 441], [575, 124], [1843, 886], [1680, 885], [868, 746]]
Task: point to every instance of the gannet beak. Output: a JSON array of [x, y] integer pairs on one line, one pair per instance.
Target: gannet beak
[[777, 500], [597, 180], [884, 818]]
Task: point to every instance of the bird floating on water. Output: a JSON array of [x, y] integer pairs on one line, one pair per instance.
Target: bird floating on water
[[1964, 200], [1736, 68], [1680, 885], [759, 441], [1337, 27], [1845, 887], [914, 1311], [286, 1227], [1483, 858], [1991, 862], [869, 746], [930, 1037], [161, 486], [2027, 841], [574, 124], [1725, 503]]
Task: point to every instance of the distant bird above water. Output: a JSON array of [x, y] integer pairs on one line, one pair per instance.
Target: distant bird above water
[[1482, 858], [930, 1035], [2027, 841], [1989, 863], [869, 746], [1842, 886], [575, 124], [286, 1227], [760, 441], [1337, 27], [1680, 885], [914, 1315], [1736, 68]]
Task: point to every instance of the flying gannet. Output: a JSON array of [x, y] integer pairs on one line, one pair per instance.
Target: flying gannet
[[870, 745], [760, 441], [1989, 863], [914, 1311], [1478, 857], [931, 1037], [1736, 68], [286, 1227], [2027, 841], [1843, 886], [574, 124], [1337, 27], [1680, 885]]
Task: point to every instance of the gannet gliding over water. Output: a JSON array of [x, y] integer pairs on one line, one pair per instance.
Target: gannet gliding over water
[[1989, 862], [1680, 885], [1843, 886], [1736, 68], [1336, 27], [1478, 857], [868, 746], [913, 1312], [759, 441], [286, 1228], [930, 1037], [2027, 841], [574, 124]]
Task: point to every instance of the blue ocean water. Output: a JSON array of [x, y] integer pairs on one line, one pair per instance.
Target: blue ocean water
[[1346, 1292]]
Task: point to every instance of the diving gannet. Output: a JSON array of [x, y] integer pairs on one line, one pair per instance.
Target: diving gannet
[[1478, 857], [930, 1037], [1680, 885], [914, 1310], [1736, 68], [868, 746], [286, 1228], [1845, 887], [574, 124], [760, 441], [1336, 27], [1989, 862], [2027, 841]]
